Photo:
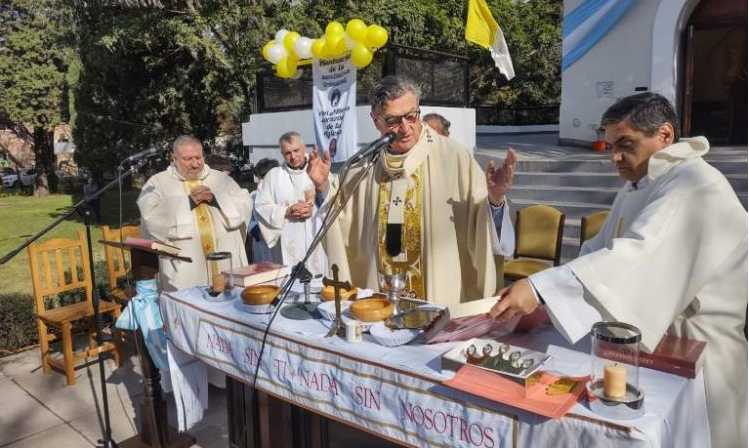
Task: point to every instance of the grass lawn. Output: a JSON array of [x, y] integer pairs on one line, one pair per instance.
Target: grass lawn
[[20, 218], [23, 216]]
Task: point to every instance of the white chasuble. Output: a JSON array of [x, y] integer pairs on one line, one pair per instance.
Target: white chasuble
[[289, 239], [455, 259], [672, 257], [166, 216]]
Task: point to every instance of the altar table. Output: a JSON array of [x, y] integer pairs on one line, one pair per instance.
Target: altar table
[[396, 393]]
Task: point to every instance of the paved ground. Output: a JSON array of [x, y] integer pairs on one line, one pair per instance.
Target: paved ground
[[40, 411]]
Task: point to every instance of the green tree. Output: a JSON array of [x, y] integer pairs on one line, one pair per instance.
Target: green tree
[[35, 55]]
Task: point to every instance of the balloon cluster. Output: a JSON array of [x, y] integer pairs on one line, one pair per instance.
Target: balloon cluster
[[289, 49]]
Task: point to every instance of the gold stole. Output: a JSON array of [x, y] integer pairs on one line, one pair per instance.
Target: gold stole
[[205, 227], [409, 261]]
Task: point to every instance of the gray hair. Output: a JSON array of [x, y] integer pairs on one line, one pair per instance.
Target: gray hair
[[392, 87], [185, 140], [646, 112], [439, 119], [289, 136]]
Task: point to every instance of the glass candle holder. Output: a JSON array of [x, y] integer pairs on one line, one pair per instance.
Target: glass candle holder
[[216, 263], [615, 367]]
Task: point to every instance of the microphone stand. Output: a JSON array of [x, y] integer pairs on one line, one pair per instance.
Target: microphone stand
[[337, 204], [84, 209]]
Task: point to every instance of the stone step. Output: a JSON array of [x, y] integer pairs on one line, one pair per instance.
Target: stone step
[[575, 179], [545, 194], [738, 182]]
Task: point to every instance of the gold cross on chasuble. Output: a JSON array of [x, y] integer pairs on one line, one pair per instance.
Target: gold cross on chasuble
[[205, 227], [409, 260]]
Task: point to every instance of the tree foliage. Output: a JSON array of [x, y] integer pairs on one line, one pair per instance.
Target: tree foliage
[[35, 55], [152, 70]]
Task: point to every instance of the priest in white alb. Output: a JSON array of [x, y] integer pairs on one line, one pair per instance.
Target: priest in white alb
[[670, 258], [196, 208], [200, 210], [285, 208], [423, 210]]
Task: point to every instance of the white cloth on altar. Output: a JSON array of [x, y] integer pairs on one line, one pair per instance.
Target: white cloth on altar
[[289, 239], [166, 216], [671, 257], [190, 386]]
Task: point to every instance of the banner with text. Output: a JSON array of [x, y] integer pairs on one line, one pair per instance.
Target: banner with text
[[334, 107], [387, 402]]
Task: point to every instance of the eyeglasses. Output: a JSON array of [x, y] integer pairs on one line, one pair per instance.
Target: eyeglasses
[[393, 121]]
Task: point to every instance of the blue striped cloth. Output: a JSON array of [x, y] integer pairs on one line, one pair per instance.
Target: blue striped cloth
[[143, 313]]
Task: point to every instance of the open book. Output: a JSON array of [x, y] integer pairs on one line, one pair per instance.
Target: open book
[[152, 245]]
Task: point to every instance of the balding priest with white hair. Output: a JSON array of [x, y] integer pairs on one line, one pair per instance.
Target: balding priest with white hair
[[200, 210], [670, 258], [196, 208]]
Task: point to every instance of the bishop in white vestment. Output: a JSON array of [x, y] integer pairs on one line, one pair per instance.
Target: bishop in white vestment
[[424, 209], [670, 258], [285, 208]]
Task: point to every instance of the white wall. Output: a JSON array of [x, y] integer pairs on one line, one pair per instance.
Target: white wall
[[639, 51], [262, 131]]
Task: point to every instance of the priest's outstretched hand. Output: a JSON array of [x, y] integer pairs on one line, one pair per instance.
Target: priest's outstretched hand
[[499, 180], [318, 169], [517, 299]]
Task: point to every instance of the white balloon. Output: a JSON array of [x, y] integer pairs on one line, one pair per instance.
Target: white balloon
[[276, 53], [280, 34], [349, 41], [303, 47]]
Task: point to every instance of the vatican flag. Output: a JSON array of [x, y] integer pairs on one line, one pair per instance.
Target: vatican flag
[[482, 29]]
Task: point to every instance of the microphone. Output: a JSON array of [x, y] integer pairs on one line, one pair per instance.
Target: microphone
[[142, 155], [374, 147]]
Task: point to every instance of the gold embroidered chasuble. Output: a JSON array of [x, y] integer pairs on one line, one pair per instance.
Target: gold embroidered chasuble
[[447, 224], [204, 223]]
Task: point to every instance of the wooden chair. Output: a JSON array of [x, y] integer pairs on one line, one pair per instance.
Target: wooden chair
[[590, 225], [538, 236], [51, 274], [118, 261]]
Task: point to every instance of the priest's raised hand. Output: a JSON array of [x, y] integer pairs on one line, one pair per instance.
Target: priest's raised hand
[[499, 180], [318, 169]]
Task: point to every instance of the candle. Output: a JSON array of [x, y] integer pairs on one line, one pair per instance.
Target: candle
[[615, 380], [217, 279]]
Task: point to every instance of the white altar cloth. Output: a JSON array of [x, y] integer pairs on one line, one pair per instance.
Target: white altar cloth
[[397, 392]]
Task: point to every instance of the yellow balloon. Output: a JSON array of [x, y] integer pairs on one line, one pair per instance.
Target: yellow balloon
[[318, 48], [357, 30], [360, 55], [333, 46], [340, 47], [266, 47], [281, 71], [377, 36], [289, 39], [334, 29]]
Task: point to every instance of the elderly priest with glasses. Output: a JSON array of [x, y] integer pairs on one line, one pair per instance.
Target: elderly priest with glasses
[[426, 209], [671, 257]]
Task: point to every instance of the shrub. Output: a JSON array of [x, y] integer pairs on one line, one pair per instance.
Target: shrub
[[17, 323]]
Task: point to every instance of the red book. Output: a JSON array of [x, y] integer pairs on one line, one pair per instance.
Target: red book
[[152, 245], [257, 273], [680, 356]]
